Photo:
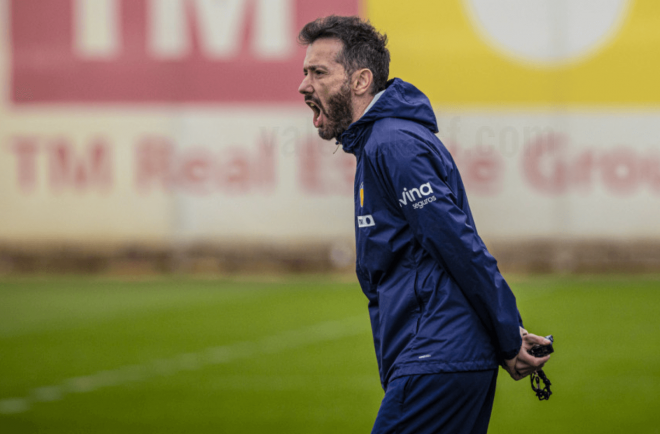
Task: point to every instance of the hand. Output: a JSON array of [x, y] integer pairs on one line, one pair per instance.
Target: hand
[[525, 364]]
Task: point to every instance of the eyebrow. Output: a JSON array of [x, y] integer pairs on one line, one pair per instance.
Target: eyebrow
[[314, 68]]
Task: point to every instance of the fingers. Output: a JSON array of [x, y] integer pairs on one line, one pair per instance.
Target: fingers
[[528, 359], [535, 340], [527, 364]]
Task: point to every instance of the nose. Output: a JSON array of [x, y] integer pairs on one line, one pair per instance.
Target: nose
[[305, 87]]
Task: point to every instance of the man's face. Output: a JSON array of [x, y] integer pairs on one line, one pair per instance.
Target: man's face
[[327, 88]]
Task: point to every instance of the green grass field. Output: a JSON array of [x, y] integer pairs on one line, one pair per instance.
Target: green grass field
[[294, 355]]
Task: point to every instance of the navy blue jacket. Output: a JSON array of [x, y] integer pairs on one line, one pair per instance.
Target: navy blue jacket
[[437, 300]]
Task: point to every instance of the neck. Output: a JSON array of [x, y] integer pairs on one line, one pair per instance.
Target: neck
[[360, 104]]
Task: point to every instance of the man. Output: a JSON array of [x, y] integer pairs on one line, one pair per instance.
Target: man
[[442, 316]]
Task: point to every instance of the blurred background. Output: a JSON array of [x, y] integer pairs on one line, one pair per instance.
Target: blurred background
[[176, 242]]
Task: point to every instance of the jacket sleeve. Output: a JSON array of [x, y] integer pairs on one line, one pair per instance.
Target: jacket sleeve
[[424, 182]]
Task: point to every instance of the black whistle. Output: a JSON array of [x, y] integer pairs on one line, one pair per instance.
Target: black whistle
[[542, 350]]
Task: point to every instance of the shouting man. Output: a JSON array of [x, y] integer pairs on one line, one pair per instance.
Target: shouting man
[[442, 316]]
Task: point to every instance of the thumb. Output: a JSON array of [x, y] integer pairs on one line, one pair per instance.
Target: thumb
[[534, 339]]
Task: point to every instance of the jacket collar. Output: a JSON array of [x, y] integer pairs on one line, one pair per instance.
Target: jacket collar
[[399, 100]]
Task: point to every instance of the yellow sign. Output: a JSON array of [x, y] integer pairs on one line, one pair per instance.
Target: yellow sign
[[505, 52]]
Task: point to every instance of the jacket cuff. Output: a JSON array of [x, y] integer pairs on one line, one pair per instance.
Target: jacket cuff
[[508, 355]]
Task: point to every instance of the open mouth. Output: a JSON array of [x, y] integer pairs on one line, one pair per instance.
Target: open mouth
[[318, 113]]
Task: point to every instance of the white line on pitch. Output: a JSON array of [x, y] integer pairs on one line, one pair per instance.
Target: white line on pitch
[[290, 339]]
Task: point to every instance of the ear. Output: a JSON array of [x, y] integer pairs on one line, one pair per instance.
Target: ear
[[362, 80]]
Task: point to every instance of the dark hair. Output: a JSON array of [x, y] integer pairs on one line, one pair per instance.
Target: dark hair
[[363, 47]]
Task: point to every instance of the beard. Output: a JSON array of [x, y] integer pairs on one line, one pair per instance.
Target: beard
[[339, 114]]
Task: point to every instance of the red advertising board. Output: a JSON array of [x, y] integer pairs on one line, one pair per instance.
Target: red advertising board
[[161, 51]]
